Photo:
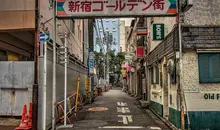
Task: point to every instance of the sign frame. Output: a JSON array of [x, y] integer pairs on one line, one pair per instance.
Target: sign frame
[[169, 9]]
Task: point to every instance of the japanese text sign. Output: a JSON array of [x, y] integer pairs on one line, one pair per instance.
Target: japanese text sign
[[95, 8], [158, 31]]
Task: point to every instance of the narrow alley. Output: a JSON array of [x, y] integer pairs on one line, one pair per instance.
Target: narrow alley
[[115, 110]]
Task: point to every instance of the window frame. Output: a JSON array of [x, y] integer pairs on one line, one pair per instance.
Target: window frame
[[210, 78]]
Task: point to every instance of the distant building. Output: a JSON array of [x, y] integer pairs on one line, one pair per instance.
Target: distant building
[[122, 36], [111, 28]]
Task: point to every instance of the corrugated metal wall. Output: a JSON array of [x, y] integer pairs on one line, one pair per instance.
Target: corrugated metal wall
[[74, 70]]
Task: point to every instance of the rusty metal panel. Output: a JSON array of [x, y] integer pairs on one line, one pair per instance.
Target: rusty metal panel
[[16, 81]]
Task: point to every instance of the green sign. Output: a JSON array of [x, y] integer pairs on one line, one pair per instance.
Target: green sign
[[158, 31]]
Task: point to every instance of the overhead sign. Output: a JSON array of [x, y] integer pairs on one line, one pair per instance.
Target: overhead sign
[[44, 37], [106, 8], [142, 31], [186, 5], [158, 31]]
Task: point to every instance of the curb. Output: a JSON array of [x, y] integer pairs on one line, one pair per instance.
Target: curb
[[169, 124]]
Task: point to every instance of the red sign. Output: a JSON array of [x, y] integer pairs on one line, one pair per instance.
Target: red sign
[[140, 52]]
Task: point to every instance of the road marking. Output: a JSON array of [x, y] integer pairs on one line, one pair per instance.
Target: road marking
[[125, 119], [122, 104], [155, 128], [123, 110], [121, 127]]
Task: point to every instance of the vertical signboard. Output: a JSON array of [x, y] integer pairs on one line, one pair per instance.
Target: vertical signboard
[[106, 8], [88, 84], [140, 52], [91, 62], [158, 31]]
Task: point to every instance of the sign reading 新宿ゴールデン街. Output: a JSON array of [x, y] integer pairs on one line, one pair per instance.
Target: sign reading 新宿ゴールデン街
[[105, 8], [158, 31]]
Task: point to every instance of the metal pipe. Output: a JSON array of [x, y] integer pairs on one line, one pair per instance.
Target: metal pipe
[[36, 63], [54, 67], [65, 78], [45, 88], [77, 94]]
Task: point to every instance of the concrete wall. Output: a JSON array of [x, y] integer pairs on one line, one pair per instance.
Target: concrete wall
[[75, 40], [17, 15], [16, 81], [9, 5], [203, 12]]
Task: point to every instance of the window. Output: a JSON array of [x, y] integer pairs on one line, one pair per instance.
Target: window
[[209, 67], [3, 55], [152, 75], [100, 29], [106, 29], [113, 30], [157, 74]]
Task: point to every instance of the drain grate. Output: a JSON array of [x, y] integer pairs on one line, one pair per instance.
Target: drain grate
[[90, 123]]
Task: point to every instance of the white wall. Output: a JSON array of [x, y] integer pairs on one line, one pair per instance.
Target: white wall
[[194, 90], [168, 23]]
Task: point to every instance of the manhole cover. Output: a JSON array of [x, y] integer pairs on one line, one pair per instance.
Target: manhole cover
[[90, 123], [98, 109]]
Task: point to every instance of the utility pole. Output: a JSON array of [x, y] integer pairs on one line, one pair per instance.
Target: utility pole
[[181, 66], [45, 87], [54, 65], [65, 77], [107, 58]]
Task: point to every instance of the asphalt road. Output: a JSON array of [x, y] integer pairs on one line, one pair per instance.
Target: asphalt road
[[115, 110]]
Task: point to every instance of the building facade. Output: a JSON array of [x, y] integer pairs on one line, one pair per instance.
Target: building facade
[[21, 23], [109, 28], [197, 80]]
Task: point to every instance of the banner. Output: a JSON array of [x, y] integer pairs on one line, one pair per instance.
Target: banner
[[106, 8]]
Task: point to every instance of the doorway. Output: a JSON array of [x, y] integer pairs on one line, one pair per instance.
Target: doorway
[[165, 92]]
